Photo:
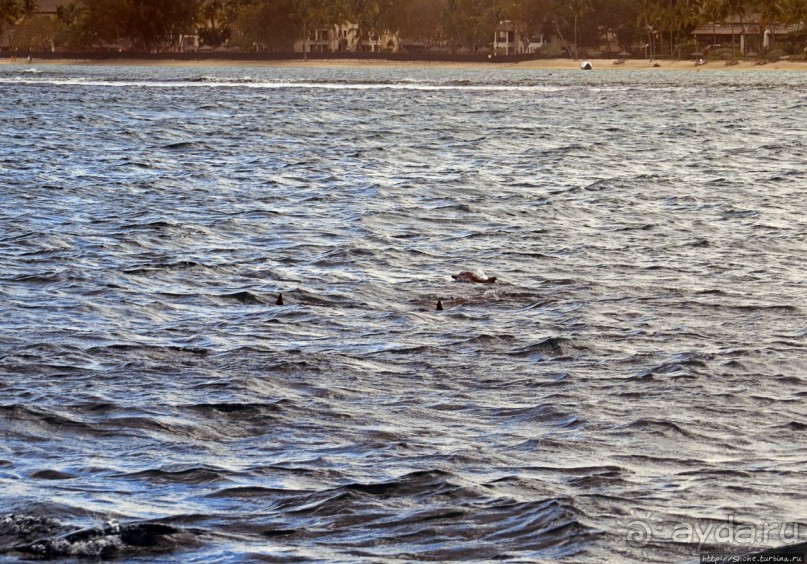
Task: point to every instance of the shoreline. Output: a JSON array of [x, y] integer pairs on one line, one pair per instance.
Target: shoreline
[[533, 64]]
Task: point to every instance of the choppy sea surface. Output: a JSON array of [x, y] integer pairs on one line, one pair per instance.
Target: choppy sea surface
[[632, 388]]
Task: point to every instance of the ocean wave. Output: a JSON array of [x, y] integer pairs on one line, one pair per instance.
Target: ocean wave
[[642, 351]]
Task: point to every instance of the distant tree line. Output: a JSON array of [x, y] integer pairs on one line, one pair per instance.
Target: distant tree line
[[455, 24]]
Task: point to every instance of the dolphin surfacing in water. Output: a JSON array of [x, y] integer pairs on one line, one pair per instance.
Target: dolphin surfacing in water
[[473, 277]]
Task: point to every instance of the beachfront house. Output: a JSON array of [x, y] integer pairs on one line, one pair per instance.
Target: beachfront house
[[747, 36], [507, 40], [318, 41], [344, 38], [338, 38]]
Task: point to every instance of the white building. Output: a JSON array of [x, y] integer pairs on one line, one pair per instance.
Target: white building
[[507, 40], [344, 38]]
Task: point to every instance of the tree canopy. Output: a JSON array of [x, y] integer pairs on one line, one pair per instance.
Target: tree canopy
[[456, 24]]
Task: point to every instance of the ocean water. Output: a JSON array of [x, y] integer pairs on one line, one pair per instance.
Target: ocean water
[[631, 389]]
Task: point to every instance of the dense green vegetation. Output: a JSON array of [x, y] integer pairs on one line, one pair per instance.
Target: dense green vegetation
[[453, 24]]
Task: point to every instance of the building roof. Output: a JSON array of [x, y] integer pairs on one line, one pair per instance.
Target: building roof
[[50, 6], [750, 26]]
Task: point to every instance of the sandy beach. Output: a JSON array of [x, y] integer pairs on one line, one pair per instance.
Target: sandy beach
[[538, 64]]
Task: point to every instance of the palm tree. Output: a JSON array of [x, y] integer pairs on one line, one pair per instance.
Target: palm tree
[[795, 11], [579, 8], [310, 13], [770, 13], [736, 9], [28, 7], [366, 14], [419, 20], [467, 23], [713, 11], [648, 13], [211, 12], [9, 12], [677, 16]]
